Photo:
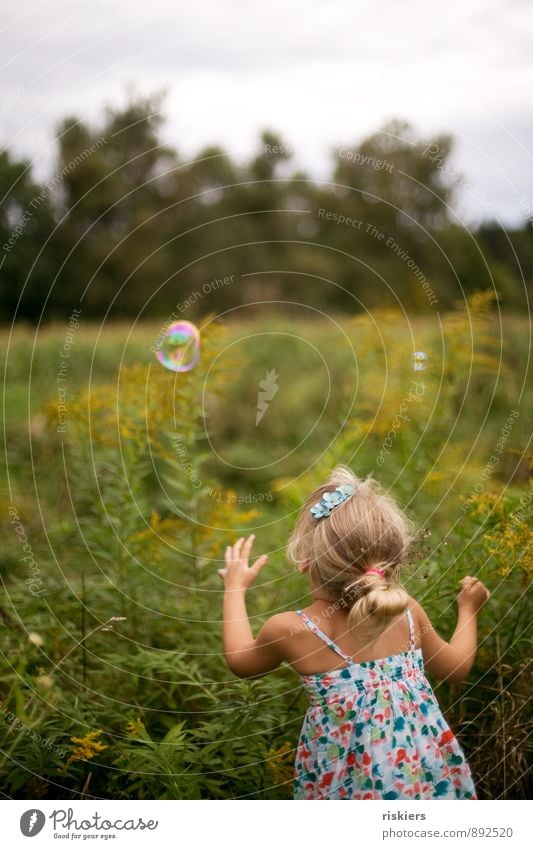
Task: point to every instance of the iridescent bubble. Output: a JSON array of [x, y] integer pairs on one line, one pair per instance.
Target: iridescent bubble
[[420, 360], [180, 348]]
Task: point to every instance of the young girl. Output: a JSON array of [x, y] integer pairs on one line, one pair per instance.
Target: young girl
[[373, 729]]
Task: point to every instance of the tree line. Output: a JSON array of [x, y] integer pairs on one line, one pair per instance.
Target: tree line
[[128, 226]]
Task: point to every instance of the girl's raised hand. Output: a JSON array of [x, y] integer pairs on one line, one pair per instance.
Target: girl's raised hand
[[237, 574], [473, 593]]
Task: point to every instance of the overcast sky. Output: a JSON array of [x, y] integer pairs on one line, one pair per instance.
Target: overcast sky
[[321, 72]]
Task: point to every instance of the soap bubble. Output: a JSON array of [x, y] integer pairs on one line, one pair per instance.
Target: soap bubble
[[420, 360], [180, 348]]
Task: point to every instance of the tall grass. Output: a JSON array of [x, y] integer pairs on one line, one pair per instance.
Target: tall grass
[[117, 661]]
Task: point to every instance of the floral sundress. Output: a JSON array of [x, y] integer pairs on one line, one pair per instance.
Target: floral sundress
[[374, 730]]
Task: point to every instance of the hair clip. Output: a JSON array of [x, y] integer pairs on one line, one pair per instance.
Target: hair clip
[[330, 500]]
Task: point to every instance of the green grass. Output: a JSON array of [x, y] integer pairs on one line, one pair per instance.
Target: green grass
[[117, 528]]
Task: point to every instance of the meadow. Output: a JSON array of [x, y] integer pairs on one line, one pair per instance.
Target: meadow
[[117, 509]]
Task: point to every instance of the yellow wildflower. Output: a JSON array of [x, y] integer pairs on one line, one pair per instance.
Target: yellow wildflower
[[281, 763], [86, 747], [136, 727], [512, 548], [485, 503]]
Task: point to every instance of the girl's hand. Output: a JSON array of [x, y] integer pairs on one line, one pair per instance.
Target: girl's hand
[[238, 575], [473, 594]]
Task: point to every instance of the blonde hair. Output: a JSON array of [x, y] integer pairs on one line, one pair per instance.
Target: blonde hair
[[367, 530]]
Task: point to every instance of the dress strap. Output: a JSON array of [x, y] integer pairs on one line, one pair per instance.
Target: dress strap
[[412, 642], [316, 630]]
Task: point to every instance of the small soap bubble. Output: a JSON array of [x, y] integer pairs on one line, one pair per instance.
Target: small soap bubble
[[180, 348], [420, 360]]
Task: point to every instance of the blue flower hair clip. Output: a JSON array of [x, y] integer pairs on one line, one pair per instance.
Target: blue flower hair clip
[[330, 500]]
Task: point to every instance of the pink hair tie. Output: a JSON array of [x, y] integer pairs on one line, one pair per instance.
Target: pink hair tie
[[375, 571]]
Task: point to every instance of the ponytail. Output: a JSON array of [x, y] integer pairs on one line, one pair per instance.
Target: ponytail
[[375, 602]]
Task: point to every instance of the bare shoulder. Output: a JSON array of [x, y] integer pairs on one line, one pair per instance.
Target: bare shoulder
[[280, 626]]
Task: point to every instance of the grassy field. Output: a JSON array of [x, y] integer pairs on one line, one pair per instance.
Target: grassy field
[[112, 682]]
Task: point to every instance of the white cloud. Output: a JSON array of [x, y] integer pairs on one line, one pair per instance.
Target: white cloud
[[318, 73]]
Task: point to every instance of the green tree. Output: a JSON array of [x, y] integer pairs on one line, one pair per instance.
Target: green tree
[[26, 223], [116, 180]]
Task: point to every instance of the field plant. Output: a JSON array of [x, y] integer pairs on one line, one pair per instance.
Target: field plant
[[112, 680]]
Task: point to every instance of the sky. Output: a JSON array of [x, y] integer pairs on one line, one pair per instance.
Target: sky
[[321, 74]]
